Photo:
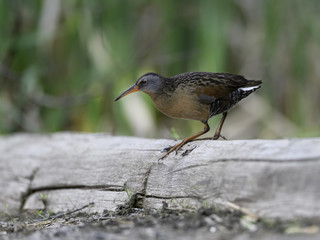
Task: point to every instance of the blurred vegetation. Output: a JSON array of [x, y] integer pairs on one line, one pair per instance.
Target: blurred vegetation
[[62, 63]]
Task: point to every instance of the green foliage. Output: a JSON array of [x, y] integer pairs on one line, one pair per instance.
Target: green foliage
[[44, 197], [62, 63], [128, 192], [6, 211], [40, 213], [174, 134]]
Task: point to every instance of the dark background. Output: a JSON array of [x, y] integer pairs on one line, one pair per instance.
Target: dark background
[[62, 63]]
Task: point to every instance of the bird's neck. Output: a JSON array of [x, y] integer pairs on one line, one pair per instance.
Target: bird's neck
[[162, 97]]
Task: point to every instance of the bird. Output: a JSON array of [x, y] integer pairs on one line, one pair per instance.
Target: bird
[[196, 96]]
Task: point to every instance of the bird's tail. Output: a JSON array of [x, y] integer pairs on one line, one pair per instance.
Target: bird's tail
[[235, 97], [252, 83], [250, 87]]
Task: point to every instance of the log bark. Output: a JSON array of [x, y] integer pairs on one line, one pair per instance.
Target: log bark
[[58, 172]]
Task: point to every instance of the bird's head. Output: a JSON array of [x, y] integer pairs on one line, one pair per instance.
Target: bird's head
[[150, 83]]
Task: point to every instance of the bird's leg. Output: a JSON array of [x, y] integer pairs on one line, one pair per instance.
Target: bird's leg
[[186, 140], [218, 131]]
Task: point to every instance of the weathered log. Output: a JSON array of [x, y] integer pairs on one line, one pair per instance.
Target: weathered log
[[58, 172]]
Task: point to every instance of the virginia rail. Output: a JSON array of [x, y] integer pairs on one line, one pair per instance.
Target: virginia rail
[[194, 95]]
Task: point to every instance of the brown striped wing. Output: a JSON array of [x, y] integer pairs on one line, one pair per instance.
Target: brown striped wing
[[208, 94]]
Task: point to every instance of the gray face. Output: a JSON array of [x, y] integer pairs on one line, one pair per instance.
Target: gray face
[[149, 83]]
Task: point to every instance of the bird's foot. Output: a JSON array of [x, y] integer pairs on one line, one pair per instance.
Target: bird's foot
[[170, 149], [216, 137], [166, 149]]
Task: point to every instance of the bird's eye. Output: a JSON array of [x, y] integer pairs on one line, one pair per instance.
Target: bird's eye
[[143, 82]]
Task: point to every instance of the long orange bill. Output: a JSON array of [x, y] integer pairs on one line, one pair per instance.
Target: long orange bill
[[132, 89]]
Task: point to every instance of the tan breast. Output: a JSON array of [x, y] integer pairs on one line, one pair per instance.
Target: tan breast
[[182, 105]]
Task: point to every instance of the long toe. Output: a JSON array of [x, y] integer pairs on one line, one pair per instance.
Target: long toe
[[224, 138], [166, 149], [175, 148], [170, 151], [179, 146], [216, 137]]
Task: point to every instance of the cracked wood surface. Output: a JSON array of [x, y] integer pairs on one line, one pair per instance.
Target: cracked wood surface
[[59, 172]]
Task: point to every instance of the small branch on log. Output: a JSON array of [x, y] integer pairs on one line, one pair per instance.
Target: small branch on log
[[244, 211], [68, 212]]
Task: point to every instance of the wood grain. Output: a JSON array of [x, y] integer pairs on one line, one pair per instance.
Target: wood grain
[[271, 178]]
